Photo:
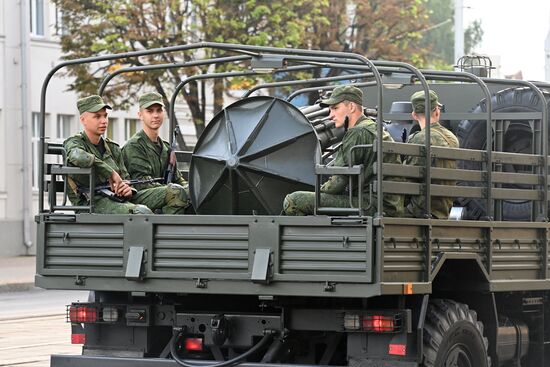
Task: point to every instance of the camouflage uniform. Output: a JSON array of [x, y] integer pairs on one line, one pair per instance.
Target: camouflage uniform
[[333, 192], [440, 137], [147, 160], [82, 153]]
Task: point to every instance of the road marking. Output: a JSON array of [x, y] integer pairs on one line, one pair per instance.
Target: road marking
[[24, 362], [29, 346]]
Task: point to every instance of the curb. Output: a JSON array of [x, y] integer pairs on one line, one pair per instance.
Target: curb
[[16, 287]]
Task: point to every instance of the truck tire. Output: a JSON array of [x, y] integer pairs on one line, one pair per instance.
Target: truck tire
[[453, 337], [517, 139]]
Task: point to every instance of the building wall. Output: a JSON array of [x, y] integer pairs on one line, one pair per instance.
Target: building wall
[[62, 120], [11, 164], [547, 56]]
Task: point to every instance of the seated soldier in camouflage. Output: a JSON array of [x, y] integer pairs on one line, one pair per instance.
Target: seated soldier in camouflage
[[346, 108], [89, 149], [439, 136], [147, 156]]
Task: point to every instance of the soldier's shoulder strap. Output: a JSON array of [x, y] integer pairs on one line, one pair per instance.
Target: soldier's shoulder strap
[[112, 142], [72, 185]]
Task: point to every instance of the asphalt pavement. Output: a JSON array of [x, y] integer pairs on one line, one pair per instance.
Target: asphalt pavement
[[17, 273]]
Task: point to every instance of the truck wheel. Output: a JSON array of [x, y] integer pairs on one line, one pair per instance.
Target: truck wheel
[[453, 337], [517, 139]]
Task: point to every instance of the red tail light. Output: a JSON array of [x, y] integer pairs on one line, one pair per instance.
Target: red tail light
[[82, 313], [387, 322], [378, 323], [192, 344]]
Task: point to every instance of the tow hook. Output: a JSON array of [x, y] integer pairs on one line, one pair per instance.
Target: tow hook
[[220, 329]]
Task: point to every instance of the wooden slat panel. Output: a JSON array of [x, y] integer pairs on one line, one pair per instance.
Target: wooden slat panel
[[516, 194], [462, 154], [516, 178], [410, 188], [517, 158], [403, 170], [415, 172]]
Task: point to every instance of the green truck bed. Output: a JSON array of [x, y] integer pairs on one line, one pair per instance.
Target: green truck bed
[[310, 256]]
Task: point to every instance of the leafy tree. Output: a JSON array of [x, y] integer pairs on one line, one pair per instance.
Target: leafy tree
[[439, 38], [378, 29], [279, 23], [390, 30], [103, 26], [473, 35]]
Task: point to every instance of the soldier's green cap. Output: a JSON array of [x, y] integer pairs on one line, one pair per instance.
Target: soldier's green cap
[[149, 99], [418, 101], [91, 103], [344, 93]]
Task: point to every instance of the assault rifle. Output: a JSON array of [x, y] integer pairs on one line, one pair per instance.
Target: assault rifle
[[105, 189], [171, 167]]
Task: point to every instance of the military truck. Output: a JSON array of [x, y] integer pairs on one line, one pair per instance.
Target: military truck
[[239, 283]]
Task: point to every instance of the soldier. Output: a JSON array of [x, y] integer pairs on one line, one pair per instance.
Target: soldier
[[89, 149], [147, 156], [439, 136], [346, 110]]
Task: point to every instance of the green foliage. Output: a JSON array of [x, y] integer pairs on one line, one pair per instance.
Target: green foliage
[[439, 38], [389, 29], [378, 29], [104, 27], [472, 36]]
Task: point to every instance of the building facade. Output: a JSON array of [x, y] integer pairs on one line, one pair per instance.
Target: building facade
[[547, 56], [29, 42]]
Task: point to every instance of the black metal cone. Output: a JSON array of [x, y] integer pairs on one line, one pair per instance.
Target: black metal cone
[[250, 156]]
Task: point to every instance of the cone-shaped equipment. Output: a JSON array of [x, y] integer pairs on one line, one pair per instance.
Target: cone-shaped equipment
[[250, 156]]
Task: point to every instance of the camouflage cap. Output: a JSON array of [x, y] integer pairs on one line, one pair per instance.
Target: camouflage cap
[[91, 103], [344, 93], [149, 99], [418, 101]]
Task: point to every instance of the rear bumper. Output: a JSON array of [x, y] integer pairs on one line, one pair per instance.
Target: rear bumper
[[90, 361]]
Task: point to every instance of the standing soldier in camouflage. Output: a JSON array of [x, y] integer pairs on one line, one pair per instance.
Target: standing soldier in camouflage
[[346, 110], [89, 149], [439, 136], [147, 156]]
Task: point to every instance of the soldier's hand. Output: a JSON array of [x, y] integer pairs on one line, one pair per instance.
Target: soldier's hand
[[115, 181], [119, 186], [124, 190]]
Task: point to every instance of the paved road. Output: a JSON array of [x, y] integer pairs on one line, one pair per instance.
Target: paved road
[[33, 326]]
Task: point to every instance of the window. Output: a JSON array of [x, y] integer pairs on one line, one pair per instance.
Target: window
[[57, 15], [131, 127], [63, 127], [37, 17], [110, 133]]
